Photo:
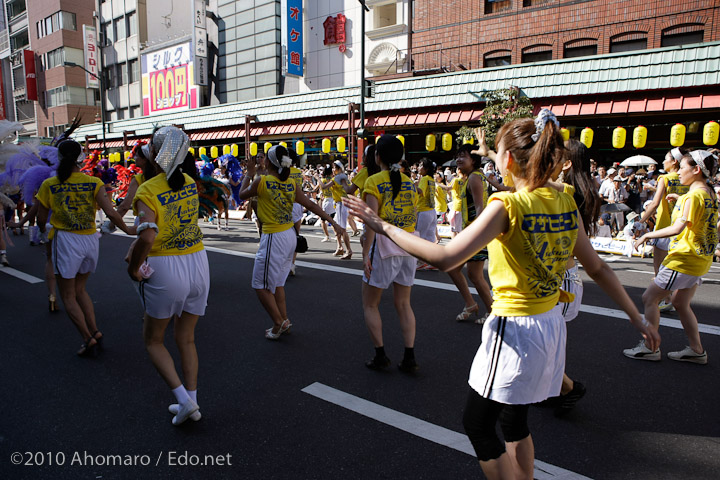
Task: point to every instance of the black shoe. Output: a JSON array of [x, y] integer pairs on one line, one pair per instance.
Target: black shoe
[[378, 363], [408, 366], [568, 401], [550, 402]]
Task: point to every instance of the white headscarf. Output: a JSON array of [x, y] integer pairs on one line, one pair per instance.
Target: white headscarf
[[172, 145]]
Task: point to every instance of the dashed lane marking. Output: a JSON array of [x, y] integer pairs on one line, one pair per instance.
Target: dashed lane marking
[[420, 428], [21, 275]]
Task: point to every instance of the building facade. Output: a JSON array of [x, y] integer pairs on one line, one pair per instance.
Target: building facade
[[471, 34]]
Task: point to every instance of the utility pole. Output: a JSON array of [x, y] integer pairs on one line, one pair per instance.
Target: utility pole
[[361, 130]]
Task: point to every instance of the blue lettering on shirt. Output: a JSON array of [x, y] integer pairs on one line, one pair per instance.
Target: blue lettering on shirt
[[550, 223], [72, 187], [169, 197]]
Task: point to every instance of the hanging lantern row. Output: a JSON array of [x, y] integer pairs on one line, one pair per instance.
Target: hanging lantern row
[[711, 134]]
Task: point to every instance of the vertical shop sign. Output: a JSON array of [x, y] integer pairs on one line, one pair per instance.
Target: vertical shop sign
[[30, 77], [91, 57], [295, 38], [200, 41]]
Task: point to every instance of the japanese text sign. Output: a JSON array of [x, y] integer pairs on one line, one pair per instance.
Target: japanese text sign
[[295, 38]]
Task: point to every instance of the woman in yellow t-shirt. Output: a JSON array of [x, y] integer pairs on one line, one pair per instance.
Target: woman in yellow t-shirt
[[276, 192], [337, 186], [73, 198], [530, 234], [169, 262], [667, 184], [693, 236], [457, 188], [327, 199], [427, 220], [391, 195]]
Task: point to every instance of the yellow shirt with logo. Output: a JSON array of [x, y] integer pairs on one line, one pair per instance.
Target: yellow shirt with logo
[[426, 192], [469, 210], [176, 215], [457, 187], [326, 192], [665, 209], [527, 263], [440, 199], [401, 211], [338, 192], [360, 179], [691, 251], [275, 203], [72, 202], [296, 176]]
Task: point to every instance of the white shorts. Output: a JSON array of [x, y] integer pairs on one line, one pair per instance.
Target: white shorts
[[179, 283], [327, 206], [673, 280], [341, 215], [386, 271], [455, 220], [297, 212], [73, 253], [662, 243], [521, 359], [427, 225], [273, 260], [572, 283]]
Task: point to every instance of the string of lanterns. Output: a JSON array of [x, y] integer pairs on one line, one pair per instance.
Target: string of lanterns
[[711, 134]]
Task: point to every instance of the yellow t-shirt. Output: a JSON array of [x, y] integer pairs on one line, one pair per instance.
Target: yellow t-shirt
[[665, 209], [691, 251], [360, 179], [401, 211], [468, 203], [275, 203], [326, 192], [457, 189], [72, 202], [296, 176], [527, 263], [440, 199], [176, 215], [426, 192], [338, 192]]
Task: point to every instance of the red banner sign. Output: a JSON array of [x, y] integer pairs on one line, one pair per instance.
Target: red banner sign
[[31, 92]]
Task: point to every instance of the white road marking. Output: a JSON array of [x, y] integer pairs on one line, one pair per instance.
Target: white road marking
[[415, 426], [21, 275]]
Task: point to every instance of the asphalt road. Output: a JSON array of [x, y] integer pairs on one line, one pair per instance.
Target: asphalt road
[[65, 417]]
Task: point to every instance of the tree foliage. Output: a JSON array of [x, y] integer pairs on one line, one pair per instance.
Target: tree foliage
[[501, 106]]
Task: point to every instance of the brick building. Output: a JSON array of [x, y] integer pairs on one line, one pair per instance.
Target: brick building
[[470, 34]]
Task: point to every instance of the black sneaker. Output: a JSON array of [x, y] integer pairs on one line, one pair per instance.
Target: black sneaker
[[568, 401], [376, 363], [408, 366]]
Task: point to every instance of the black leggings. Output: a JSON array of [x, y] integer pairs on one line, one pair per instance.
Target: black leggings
[[480, 417]]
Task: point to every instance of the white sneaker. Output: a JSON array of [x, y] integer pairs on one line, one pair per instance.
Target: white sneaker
[[175, 408], [687, 354], [665, 306], [4, 260], [292, 270], [325, 240], [184, 411], [641, 352]]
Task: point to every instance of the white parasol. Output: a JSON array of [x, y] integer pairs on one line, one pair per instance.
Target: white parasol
[[638, 161]]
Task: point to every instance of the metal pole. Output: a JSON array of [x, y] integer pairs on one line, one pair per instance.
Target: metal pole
[[363, 8]]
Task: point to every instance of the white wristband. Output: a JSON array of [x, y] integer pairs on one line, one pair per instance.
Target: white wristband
[[146, 225]]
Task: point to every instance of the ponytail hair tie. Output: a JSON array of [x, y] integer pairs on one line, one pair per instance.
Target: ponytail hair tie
[[541, 120], [395, 167]]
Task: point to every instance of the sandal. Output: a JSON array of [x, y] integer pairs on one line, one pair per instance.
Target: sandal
[[52, 303], [467, 313], [339, 253], [347, 256], [99, 339], [284, 327], [88, 349]]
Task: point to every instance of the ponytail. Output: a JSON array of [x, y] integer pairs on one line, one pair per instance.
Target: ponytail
[[68, 154], [586, 192], [534, 160], [395, 181], [176, 180], [390, 151]]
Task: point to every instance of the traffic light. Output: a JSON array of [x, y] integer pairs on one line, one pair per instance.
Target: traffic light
[[369, 88]]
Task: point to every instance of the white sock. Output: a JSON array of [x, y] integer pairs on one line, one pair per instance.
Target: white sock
[[193, 395], [181, 394], [2, 252]]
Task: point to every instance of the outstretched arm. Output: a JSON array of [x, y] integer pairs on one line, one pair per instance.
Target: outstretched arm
[[605, 277], [491, 223]]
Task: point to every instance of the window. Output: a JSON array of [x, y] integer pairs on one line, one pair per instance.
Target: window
[[122, 113], [580, 48], [56, 21], [132, 25], [534, 3], [107, 34], [537, 53], [120, 31], [496, 6], [19, 41], [15, 8], [53, 132], [133, 71], [497, 58], [385, 15], [54, 58], [135, 112], [56, 96], [121, 77], [627, 42], [682, 35]]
